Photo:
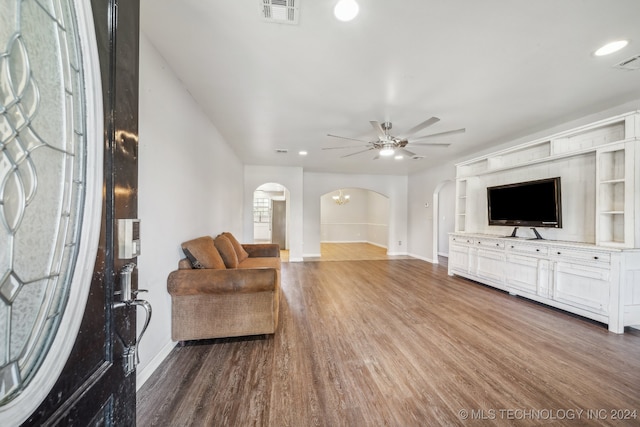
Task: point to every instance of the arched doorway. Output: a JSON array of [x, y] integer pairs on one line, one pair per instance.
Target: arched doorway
[[271, 215], [354, 224], [443, 219]]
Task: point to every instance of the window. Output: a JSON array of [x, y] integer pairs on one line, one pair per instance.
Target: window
[[261, 210]]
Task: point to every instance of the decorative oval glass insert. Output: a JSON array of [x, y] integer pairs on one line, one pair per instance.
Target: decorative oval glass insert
[[43, 151]]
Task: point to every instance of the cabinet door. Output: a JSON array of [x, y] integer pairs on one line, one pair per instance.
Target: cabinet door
[[522, 273], [582, 286], [458, 258], [491, 265]]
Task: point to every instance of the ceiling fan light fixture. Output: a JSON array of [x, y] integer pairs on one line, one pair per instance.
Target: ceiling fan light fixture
[[346, 10], [387, 150], [610, 48]]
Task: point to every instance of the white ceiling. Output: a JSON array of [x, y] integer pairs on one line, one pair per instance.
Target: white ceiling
[[501, 69]]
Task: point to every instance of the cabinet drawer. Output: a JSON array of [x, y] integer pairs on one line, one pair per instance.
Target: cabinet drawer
[[577, 255], [527, 249], [462, 240], [490, 244]]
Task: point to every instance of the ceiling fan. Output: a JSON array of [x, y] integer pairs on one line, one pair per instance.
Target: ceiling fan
[[388, 145]]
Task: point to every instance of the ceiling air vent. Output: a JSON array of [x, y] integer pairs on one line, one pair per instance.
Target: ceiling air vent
[[629, 64], [280, 11], [282, 150]]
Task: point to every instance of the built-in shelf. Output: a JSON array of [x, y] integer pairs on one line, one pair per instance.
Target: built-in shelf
[[582, 140], [612, 142]]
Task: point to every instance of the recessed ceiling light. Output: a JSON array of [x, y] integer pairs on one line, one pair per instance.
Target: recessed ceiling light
[[399, 157], [346, 10], [611, 47], [302, 153]]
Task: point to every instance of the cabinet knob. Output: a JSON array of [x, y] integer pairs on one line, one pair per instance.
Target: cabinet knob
[[537, 250], [559, 253], [512, 246], [497, 244], [595, 257]]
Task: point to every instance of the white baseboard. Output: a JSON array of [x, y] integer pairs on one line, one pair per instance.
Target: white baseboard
[[311, 255], [355, 241], [377, 244], [423, 258], [296, 259], [343, 241], [143, 375], [397, 253]]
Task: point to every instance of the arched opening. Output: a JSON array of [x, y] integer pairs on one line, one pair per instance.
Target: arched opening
[[271, 216], [354, 224], [443, 219]]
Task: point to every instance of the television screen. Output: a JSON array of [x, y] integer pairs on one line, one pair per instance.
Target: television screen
[[532, 203]]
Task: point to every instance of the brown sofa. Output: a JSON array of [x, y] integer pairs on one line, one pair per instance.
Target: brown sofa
[[224, 289]]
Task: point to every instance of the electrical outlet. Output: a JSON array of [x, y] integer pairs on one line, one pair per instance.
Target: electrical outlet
[[399, 242]]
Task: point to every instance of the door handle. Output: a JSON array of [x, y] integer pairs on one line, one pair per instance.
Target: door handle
[[129, 298]]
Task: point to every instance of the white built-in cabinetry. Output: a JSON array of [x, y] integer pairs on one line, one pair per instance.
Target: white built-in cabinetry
[[591, 266], [596, 282]]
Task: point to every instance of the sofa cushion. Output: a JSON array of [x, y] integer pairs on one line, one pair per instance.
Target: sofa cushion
[[227, 252], [240, 252], [270, 262], [202, 253]]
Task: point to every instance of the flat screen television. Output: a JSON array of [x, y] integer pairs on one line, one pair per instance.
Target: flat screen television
[[532, 203]]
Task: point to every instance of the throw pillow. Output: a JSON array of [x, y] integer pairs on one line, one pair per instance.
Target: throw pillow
[[202, 253], [240, 252], [227, 252]]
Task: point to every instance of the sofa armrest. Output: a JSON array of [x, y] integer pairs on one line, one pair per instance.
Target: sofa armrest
[[262, 250], [210, 281]]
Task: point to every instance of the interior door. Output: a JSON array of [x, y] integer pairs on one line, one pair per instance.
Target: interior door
[[279, 223], [97, 384]]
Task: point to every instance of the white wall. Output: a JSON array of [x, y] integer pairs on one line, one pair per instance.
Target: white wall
[[190, 184], [446, 215], [422, 186], [392, 186], [291, 178], [364, 219]]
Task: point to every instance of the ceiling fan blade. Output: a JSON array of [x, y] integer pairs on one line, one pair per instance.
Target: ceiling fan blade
[[430, 144], [345, 137], [340, 148], [419, 127], [378, 128], [449, 132], [406, 152], [357, 152]]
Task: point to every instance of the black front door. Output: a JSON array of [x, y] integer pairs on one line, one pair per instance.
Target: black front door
[[97, 385]]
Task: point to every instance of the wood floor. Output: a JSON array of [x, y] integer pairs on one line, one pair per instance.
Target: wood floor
[[352, 252], [400, 343]]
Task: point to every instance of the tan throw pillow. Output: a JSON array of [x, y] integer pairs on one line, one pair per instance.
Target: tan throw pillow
[[202, 253], [227, 252], [240, 252]]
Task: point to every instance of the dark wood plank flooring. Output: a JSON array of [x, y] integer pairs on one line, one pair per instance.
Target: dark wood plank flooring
[[400, 343]]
